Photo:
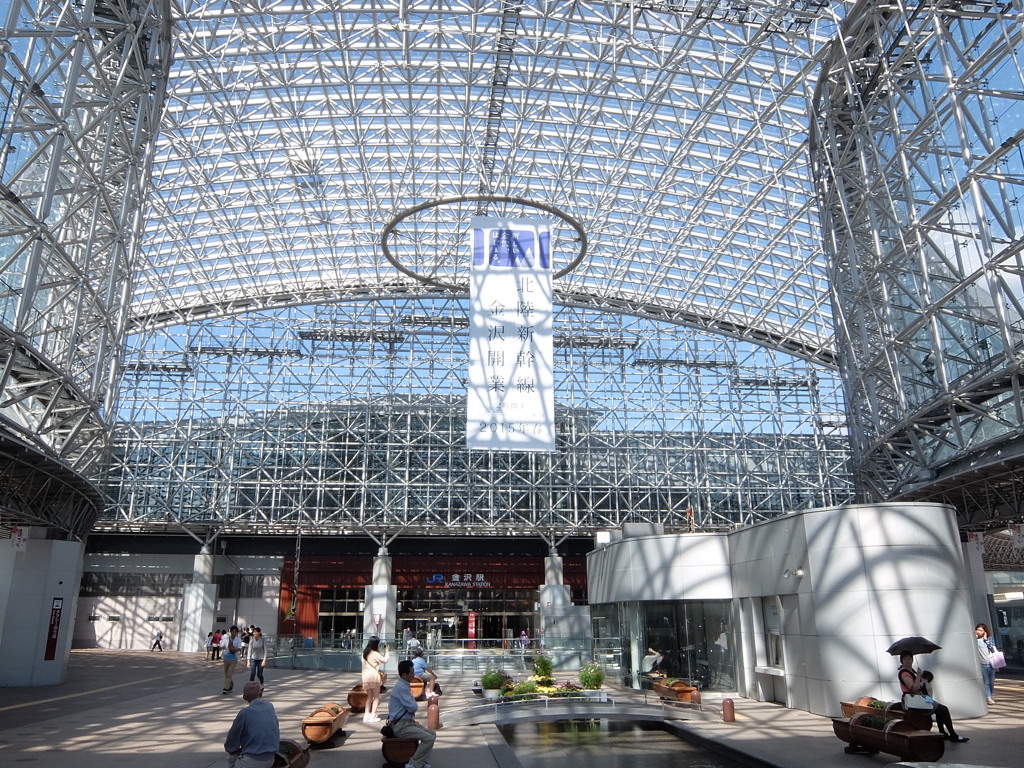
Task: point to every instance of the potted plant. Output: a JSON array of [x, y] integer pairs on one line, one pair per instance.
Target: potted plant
[[491, 683], [591, 676]]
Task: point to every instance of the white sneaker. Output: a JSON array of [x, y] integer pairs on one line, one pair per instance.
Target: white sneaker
[[431, 695], [371, 719]]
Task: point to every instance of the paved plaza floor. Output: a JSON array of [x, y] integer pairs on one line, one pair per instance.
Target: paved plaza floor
[[165, 710]]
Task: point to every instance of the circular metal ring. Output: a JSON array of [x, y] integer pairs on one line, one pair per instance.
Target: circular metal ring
[[391, 225]]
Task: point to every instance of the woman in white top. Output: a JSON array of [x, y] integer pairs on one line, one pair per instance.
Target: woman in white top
[[985, 648], [373, 663], [257, 655]]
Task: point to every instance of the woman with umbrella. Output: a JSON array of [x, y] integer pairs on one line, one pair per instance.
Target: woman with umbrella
[[912, 683]]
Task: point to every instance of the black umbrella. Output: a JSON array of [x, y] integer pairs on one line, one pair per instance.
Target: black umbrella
[[913, 645]]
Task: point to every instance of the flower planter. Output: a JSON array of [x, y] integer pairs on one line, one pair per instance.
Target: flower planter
[[491, 693], [291, 755], [322, 725], [921, 720], [677, 691], [896, 737]]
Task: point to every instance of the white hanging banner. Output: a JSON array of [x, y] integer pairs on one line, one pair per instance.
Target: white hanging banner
[[510, 402]]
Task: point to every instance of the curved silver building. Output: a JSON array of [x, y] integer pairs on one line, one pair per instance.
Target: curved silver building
[[81, 87], [920, 167]]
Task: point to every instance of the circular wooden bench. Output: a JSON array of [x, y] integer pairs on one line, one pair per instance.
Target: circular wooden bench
[[398, 751], [357, 699]]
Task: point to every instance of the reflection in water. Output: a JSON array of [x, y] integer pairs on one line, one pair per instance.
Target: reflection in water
[[605, 744]]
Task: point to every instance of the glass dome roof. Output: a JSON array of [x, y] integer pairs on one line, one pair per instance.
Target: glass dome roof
[[674, 131]]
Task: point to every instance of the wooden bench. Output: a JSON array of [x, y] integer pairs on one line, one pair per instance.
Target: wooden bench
[[357, 699], [895, 737], [290, 754], [398, 751]]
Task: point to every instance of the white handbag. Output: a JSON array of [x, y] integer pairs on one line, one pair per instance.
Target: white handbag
[[916, 701]]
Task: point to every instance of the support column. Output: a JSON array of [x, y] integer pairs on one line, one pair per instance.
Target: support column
[[38, 602], [560, 623], [380, 607], [198, 603], [979, 587]]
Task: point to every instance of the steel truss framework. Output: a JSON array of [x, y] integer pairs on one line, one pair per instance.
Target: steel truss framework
[[352, 418], [921, 168], [80, 88], [676, 131]]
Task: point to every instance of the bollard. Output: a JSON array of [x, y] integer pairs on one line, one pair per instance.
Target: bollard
[[728, 711], [433, 714], [695, 697]]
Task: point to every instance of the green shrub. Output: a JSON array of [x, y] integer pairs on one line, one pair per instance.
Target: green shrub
[[591, 676], [542, 664], [527, 686], [492, 679]]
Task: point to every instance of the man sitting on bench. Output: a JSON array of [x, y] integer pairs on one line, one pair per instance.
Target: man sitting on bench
[[402, 717]]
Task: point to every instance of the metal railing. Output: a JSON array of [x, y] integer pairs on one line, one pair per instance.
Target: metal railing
[[344, 653]]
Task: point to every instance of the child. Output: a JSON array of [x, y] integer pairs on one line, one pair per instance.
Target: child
[[926, 686]]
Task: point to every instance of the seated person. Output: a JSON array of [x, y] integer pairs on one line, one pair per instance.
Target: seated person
[[402, 717], [423, 671], [651, 663], [914, 682]]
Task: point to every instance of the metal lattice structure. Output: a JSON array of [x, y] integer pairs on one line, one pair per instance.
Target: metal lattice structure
[[674, 132], [352, 418], [80, 94], [272, 348], [921, 166]]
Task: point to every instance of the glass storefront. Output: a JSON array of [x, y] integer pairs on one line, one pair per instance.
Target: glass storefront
[[688, 639], [447, 615], [436, 616]]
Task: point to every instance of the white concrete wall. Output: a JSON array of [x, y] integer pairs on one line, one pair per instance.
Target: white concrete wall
[[30, 581], [693, 566], [868, 575], [135, 629]]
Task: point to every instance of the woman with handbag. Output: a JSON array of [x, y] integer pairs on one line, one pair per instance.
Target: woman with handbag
[[985, 650], [372, 676], [913, 686]]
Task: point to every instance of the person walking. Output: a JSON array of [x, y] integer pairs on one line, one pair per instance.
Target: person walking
[[257, 655], [158, 639], [402, 717], [231, 646], [255, 734], [217, 638], [373, 663], [985, 648]]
